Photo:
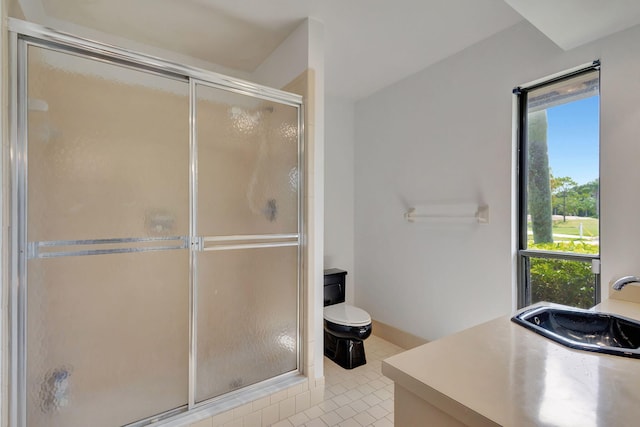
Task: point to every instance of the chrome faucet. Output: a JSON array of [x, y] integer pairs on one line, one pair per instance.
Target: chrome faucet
[[623, 281]]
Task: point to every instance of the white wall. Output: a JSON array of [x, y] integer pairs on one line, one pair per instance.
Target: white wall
[[287, 61], [620, 153], [316, 219], [36, 16], [339, 189], [445, 134]]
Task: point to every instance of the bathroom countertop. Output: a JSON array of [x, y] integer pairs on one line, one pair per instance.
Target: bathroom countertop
[[499, 373]]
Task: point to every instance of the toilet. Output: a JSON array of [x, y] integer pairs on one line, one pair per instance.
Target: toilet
[[345, 326]]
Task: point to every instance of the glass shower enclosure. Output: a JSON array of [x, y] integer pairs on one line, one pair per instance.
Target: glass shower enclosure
[[156, 246]]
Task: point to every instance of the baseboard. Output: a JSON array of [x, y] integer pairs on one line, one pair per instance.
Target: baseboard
[[396, 336]]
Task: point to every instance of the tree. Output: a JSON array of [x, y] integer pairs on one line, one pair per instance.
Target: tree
[[539, 185], [568, 198], [562, 186], [589, 194]]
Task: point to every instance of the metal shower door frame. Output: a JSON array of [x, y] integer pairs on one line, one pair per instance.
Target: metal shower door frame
[[24, 34]]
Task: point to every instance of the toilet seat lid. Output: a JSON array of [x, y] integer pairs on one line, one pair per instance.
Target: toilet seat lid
[[347, 315]]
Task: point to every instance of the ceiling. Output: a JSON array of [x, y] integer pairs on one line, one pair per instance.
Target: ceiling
[[369, 44], [571, 23]]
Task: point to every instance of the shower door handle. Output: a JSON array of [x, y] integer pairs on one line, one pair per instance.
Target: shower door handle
[[66, 248], [257, 241]]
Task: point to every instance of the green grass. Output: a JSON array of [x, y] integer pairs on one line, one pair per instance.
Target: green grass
[[590, 227], [572, 227]]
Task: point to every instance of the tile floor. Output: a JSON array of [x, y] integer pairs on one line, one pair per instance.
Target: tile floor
[[353, 398]]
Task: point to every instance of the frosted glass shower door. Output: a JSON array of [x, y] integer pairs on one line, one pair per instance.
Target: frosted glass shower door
[[106, 180], [248, 228]]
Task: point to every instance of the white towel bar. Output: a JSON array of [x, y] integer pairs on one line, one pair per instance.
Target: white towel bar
[[450, 214]]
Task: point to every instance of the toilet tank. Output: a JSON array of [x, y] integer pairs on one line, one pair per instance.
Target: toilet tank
[[334, 286]]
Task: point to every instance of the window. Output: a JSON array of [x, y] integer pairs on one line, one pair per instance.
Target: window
[[559, 191]]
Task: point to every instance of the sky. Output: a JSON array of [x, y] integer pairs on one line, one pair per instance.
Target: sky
[[573, 140]]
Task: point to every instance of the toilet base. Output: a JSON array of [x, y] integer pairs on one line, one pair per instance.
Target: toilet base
[[348, 353]]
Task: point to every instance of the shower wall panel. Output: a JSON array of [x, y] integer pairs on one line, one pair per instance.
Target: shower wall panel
[[247, 214], [108, 159], [108, 150], [247, 165], [107, 338], [247, 318]]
